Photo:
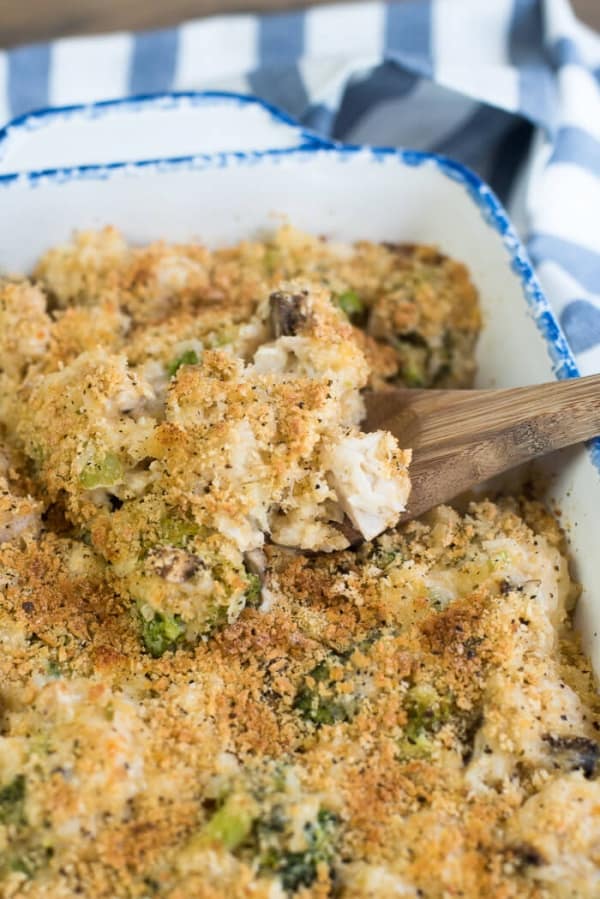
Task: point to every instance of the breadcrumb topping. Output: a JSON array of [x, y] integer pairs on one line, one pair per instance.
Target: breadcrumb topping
[[205, 691]]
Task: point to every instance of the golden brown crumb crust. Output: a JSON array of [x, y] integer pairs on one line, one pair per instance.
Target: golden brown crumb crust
[[413, 718]]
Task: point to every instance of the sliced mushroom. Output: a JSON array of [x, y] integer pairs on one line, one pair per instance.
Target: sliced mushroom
[[172, 564], [574, 753], [290, 312], [526, 855]]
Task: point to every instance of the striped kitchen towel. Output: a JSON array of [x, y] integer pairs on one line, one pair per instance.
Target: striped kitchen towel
[[509, 87]]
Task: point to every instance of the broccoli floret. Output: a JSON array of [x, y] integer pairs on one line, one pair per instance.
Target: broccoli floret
[[22, 866], [221, 338], [426, 713], [299, 869], [253, 589], [167, 573], [413, 355], [230, 825], [443, 359], [31, 860], [177, 531], [189, 357], [102, 471], [351, 305], [423, 364], [161, 632], [318, 701], [333, 690], [53, 668], [383, 559], [413, 376], [384, 552], [272, 259], [12, 801], [229, 828], [258, 826]]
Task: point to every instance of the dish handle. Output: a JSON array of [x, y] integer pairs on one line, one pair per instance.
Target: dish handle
[[162, 126]]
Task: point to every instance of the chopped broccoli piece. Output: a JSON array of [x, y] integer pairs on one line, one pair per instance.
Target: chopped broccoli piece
[[230, 825], [299, 869], [22, 866], [318, 701], [221, 338], [271, 259], [253, 589], [101, 472], [188, 357], [265, 834], [30, 860], [351, 305], [413, 375], [162, 632], [382, 552], [53, 668], [177, 531], [37, 455], [426, 712], [443, 360], [384, 558], [413, 355], [12, 799]]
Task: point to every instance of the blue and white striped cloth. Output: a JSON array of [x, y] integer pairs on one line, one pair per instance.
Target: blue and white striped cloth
[[510, 87]]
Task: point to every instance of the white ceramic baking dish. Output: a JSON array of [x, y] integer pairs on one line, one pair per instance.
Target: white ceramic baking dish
[[221, 167]]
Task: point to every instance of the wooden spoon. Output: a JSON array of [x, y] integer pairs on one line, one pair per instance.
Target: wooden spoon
[[460, 438]]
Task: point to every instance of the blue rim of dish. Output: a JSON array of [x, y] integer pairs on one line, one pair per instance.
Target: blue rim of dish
[[32, 121], [493, 212]]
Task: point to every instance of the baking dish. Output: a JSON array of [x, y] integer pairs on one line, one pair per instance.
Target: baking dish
[[220, 167]]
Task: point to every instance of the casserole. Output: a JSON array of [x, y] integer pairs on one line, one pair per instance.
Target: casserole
[[223, 166], [398, 720]]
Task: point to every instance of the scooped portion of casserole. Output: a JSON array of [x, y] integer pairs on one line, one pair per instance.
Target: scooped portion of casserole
[[177, 426], [205, 690]]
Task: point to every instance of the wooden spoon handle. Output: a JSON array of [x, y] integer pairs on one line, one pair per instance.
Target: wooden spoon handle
[[461, 438]]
